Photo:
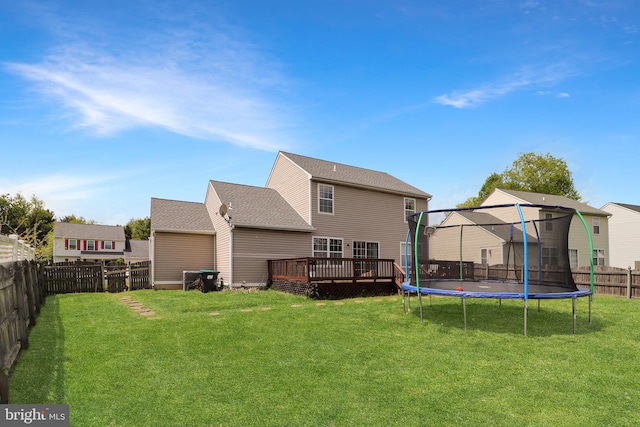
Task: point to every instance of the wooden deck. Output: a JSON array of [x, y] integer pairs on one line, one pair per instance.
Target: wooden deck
[[334, 278]]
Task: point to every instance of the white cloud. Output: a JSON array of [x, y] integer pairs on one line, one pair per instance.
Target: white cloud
[[563, 95], [200, 84], [61, 193], [525, 80]]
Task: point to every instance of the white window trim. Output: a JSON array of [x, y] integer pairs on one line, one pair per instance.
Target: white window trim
[[597, 251], [595, 222], [577, 260], [328, 238], [404, 207], [488, 252], [366, 242], [333, 199]]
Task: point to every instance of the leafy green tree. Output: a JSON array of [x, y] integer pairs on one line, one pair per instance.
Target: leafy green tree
[[138, 229], [532, 172], [76, 220], [27, 218]]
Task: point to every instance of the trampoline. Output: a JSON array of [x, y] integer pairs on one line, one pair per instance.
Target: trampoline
[[509, 251]]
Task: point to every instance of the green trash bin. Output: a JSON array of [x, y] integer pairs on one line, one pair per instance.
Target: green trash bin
[[208, 278]]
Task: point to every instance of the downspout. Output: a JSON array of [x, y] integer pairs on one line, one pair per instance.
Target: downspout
[[231, 227]]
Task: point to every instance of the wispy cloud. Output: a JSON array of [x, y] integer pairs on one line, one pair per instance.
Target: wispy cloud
[[203, 84], [60, 192], [525, 80]]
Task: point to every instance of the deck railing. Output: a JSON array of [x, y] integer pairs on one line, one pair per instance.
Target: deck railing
[[313, 269]]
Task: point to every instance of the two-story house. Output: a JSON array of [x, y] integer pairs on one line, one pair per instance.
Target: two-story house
[[309, 207], [624, 234], [84, 242], [579, 247]]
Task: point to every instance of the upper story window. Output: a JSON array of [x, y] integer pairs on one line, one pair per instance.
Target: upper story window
[[596, 225], [325, 198], [108, 245], [91, 245], [71, 244], [409, 207], [548, 224]]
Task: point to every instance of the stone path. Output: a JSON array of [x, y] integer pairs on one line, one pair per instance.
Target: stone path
[[144, 311], [136, 306]]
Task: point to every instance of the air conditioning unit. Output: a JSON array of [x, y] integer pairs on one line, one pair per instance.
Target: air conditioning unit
[[190, 279]]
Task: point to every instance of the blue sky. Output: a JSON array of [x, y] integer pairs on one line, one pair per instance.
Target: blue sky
[[105, 104]]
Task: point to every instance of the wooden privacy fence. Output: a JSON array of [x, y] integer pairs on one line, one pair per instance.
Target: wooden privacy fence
[[21, 296], [73, 277]]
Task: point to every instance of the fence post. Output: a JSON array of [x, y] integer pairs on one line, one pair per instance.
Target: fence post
[[23, 312], [629, 282]]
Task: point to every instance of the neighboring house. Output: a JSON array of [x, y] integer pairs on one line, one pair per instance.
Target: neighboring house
[[490, 242], [309, 207], [85, 242], [136, 251], [624, 235], [579, 252]]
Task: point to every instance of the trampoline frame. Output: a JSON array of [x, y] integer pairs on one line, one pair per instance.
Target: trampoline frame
[[409, 289]]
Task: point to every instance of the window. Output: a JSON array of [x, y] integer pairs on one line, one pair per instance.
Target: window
[[598, 257], [107, 245], [548, 223], [325, 198], [365, 249], [549, 256], [484, 256], [327, 247], [596, 225], [91, 245], [409, 207], [72, 245], [405, 256], [573, 258]]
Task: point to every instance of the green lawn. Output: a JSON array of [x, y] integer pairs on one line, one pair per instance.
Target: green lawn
[[352, 362]]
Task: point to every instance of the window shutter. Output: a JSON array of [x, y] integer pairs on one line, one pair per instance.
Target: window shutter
[[113, 245], [66, 244], [102, 244], [85, 245]]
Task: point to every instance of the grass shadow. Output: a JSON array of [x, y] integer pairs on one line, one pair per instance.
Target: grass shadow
[[43, 382], [507, 316]]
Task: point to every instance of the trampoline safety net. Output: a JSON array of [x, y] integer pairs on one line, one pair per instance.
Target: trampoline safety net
[[492, 248]]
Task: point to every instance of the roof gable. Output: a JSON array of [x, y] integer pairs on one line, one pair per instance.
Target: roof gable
[[351, 175], [69, 230], [635, 208], [174, 215], [552, 200], [258, 207]]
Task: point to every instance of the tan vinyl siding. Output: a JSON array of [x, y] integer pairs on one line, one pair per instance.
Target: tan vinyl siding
[[293, 184], [578, 239], [253, 247], [223, 235], [624, 235], [177, 252], [364, 215]]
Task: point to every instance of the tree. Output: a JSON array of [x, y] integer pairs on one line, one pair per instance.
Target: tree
[[138, 229], [72, 219], [29, 219], [532, 172]]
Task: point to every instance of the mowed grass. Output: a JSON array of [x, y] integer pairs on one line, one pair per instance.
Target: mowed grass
[[267, 358]]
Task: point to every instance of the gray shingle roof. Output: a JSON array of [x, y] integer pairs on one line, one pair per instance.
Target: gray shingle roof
[[352, 175], [553, 200], [494, 225], [88, 231], [174, 215], [628, 206], [259, 207], [139, 249]]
